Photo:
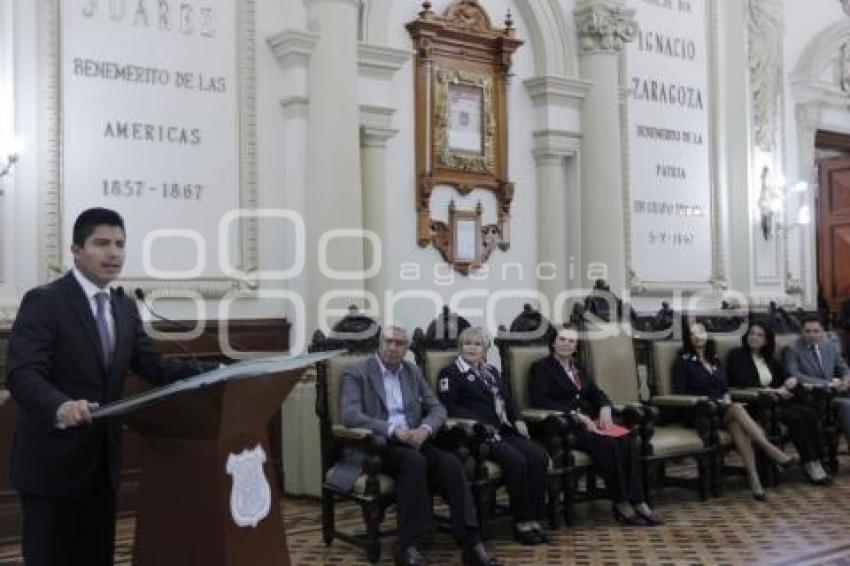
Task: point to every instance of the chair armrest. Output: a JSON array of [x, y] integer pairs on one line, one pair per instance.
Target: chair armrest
[[360, 438], [539, 415], [682, 401], [749, 394]]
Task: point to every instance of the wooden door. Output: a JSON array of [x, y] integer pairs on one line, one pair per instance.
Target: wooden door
[[833, 229]]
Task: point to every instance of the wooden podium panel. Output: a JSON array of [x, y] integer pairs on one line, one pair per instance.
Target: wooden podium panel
[[185, 516]]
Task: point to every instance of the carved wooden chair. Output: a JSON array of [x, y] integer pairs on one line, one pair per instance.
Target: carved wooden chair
[[610, 356], [372, 491], [526, 342], [435, 349]]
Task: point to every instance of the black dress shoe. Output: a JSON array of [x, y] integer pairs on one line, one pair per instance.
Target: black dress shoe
[[476, 555], [762, 496], [652, 519], [631, 520], [410, 556], [528, 537]]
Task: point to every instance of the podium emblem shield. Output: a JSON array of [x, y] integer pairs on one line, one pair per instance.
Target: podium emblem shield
[[250, 497]]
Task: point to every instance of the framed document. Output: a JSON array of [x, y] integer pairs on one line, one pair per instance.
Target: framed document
[[465, 126], [466, 240], [462, 66]]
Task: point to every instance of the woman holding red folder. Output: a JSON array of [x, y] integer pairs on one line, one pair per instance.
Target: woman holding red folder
[[559, 383]]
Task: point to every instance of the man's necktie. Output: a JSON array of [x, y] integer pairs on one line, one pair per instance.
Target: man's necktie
[[573, 375], [816, 354], [103, 327]]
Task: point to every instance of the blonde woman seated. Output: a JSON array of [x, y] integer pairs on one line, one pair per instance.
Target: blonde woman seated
[[472, 389], [698, 371], [559, 383]]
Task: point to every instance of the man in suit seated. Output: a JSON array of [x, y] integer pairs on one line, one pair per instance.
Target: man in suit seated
[[390, 397], [816, 360]]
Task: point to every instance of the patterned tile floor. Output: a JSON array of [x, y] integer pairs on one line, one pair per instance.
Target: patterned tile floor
[[800, 524]]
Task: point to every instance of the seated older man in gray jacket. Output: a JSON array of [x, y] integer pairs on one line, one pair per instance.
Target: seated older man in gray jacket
[[389, 396], [816, 360]]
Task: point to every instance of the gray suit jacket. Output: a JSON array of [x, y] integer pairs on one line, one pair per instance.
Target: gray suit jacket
[[364, 405], [800, 362]]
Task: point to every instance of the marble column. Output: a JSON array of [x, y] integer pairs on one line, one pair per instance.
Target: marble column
[[557, 142], [333, 200], [374, 135], [604, 26]]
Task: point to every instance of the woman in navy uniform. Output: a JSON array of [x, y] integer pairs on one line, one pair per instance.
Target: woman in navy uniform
[[472, 389], [559, 383]]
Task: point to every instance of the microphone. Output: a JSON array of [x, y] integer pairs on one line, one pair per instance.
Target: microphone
[[140, 295]]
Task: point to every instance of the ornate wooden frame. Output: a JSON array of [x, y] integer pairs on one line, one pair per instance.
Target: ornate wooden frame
[[461, 48]]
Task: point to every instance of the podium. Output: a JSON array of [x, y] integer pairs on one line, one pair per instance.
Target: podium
[[205, 497]]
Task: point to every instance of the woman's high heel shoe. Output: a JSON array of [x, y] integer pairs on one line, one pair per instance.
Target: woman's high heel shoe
[[631, 520], [788, 464]]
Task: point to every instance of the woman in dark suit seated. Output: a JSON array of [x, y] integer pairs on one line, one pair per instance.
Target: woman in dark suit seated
[[698, 371], [754, 365], [559, 383], [472, 389]]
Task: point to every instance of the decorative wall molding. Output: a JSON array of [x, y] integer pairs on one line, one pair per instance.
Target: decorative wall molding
[[382, 63], [376, 125], [51, 158], [293, 48], [550, 36], [604, 25], [555, 145], [766, 70], [557, 91], [814, 89]]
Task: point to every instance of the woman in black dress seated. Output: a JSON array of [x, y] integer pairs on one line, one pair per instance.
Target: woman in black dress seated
[[754, 365], [698, 371], [559, 383], [470, 388]]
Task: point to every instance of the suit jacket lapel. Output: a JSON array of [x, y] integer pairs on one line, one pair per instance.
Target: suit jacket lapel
[[81, 306], [563, 379], [377, 381]]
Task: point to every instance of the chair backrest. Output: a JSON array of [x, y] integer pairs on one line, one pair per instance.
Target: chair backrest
[[611, 357], [783, 341], [516, 368], [334, 370], [725, 344], [664, 353], [433, 361]]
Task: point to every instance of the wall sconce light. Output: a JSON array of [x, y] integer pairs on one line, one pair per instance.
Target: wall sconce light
[[769, 203], [11, 158]]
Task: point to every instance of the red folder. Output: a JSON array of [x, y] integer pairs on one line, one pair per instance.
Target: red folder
[[614, 430]]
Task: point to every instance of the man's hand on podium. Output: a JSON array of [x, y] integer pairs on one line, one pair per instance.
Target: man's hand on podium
[[73, 413]]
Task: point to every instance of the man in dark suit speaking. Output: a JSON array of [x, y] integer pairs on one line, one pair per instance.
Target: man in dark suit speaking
[[390, 397], [71, 346]]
